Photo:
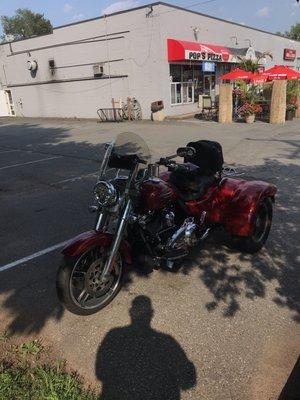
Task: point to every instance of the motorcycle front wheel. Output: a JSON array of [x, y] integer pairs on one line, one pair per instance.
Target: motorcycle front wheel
[[78, 283]]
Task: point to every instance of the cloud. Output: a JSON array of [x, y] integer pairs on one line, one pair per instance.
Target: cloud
[[67, 8], [77, 17], [120, 6], [263, 12]]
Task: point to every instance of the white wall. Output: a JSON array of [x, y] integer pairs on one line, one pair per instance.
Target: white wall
[[3, 105], [140, 51]]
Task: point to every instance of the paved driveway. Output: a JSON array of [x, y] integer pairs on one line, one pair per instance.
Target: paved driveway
[[226, 326]]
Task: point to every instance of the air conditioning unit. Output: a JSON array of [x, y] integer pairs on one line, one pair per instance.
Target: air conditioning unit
[[98, 70]]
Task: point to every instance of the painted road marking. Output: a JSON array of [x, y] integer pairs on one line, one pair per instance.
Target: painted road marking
[[32, 256], [29, 162], [8, 151]]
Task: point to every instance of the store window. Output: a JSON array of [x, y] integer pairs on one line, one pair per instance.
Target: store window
[[182, 86], [188, 81], [298, 63]]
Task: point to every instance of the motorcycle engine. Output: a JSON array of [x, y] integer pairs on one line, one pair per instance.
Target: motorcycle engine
[[168, 238]]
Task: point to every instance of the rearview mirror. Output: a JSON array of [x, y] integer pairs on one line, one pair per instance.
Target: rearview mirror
[[186, 151]]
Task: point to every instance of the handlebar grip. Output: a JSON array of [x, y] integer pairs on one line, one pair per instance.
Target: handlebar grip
[[163, 161]]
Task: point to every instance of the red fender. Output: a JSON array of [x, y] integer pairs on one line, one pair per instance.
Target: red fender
[[86, 240], [233, 204], [241, 210]]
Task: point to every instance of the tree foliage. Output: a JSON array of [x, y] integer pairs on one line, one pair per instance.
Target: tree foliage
[[253, 65], [25, 23], [293, 33]]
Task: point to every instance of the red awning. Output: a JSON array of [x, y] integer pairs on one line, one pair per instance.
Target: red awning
[[180, 50]]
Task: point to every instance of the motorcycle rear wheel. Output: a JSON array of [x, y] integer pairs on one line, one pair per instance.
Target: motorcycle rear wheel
[[78, 285], [262, 225]]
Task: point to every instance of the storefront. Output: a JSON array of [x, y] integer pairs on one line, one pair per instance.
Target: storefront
[[194, 69]]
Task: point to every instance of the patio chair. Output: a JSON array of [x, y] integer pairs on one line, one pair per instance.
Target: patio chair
[[208, 110]]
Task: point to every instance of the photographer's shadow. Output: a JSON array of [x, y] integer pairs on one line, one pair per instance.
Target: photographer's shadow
[[137, 362]]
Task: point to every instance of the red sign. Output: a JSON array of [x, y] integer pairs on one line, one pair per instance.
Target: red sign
[[289, 54]]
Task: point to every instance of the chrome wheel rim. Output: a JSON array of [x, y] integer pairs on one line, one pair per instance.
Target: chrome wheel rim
[[86, 288]]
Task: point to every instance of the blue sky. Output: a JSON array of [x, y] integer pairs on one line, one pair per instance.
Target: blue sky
[[270, 15]]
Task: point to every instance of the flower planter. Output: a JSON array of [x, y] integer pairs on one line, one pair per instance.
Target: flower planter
[[289, 115], [250, 119]]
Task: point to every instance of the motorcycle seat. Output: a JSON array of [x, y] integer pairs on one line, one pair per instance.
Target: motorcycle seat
[[191, 184]]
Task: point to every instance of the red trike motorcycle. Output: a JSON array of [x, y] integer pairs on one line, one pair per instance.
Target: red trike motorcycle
[[144, 213]]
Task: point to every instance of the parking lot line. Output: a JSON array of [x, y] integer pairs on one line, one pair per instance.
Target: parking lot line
[[29, 162], [8, 151], [32, 256]]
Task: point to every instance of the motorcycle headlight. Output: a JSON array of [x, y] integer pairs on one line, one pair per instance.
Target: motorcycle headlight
[[106, 194]]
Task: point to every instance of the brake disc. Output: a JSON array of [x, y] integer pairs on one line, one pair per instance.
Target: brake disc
[[94, 285]]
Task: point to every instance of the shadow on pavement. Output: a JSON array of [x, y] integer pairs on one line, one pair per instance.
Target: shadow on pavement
[[231, 275], [35, 214], [137, 362], [291, 390], [30, 298]]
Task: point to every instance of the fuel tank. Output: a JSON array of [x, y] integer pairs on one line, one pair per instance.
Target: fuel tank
[[156, 194]]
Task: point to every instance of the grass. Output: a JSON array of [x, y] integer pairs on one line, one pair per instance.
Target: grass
[[34, 348], [4, 335], [28, 373]]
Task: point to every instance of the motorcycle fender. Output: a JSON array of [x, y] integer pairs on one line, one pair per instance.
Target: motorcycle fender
[[244, 204], [81, 243]]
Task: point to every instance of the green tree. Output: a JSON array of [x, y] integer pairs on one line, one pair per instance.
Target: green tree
[[25, 23], [252, 65], [293, 33]]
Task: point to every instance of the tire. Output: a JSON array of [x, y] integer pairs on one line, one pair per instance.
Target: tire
[[79, 274], [262, 225]]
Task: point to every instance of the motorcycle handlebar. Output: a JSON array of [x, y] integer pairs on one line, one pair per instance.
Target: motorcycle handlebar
[[172, 164]]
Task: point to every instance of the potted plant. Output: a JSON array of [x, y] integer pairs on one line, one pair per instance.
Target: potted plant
[[290, 111], [248, 111]]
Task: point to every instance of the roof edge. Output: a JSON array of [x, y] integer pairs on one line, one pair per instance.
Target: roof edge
[[221, 19], [147, 6]]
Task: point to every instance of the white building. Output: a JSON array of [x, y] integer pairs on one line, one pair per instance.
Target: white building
[[154, 52]]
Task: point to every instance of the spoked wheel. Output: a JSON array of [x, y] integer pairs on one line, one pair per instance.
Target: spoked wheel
[[262, 226], [79, 284]]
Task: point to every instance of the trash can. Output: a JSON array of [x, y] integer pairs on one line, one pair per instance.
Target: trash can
[[157, 111]]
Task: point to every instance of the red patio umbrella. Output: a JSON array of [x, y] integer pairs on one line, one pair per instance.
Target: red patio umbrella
[[281, 72], [259, 78], [237, 74]]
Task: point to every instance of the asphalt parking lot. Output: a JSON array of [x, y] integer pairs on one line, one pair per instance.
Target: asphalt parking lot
[[227, 323]]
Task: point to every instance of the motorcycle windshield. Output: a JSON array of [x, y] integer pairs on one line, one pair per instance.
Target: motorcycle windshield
[[122, 155], [128, 149]]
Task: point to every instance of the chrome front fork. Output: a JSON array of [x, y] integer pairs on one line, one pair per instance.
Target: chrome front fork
[[116, 242]]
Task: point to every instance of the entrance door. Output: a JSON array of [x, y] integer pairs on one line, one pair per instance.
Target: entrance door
[[10, 103], [208, 84]]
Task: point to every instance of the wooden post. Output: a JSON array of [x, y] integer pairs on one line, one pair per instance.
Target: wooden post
[[278, 102], [225, 103], [298, 99], [114, 108], [129, 109]]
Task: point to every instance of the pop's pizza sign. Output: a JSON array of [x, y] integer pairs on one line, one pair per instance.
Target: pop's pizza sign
[[206, 56]]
